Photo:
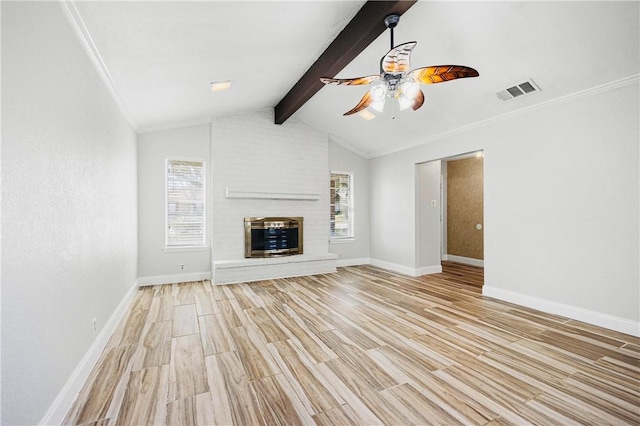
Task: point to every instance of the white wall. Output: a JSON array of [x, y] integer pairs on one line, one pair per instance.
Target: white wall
[[356, 251], [69, 222], [393, 212], [428, 225], [155, 264], [561, 205], [250, 152]]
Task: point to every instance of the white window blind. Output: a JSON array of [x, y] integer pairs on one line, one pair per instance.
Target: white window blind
[[185, 203], [341, 220]]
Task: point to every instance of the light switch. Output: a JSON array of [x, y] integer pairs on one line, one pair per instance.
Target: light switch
[[433, 203]]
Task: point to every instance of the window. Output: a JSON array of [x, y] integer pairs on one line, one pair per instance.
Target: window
[[185, 203], [341, 221]]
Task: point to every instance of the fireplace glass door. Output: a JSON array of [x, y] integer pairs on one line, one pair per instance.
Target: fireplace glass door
[[275, 236]]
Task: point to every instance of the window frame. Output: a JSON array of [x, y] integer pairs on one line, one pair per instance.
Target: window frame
[[350, 209], [202, 244]]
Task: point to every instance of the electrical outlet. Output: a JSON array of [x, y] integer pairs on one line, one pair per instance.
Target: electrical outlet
[[94, 327], [182, 266]]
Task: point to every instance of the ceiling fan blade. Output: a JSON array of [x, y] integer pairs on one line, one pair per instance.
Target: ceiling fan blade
[[441, 73], [366, 100], [418, 100], [398, 59], [350, 81]]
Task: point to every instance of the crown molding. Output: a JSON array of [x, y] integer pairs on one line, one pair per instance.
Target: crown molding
[[175, 125], [593, 91], [345, 145], [82, 32]]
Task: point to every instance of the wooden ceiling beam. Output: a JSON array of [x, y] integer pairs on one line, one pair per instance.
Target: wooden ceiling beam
[[363, 29]]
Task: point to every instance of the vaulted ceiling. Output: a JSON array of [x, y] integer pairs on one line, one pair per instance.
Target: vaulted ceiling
[[159, 58]]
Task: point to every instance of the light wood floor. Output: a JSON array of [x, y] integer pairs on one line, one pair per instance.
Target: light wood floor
[[363, 346]]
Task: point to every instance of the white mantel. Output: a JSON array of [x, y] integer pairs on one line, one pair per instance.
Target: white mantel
[[262, 194]]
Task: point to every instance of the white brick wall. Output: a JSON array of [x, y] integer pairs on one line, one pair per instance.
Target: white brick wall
[[250, 152], [234, 271]]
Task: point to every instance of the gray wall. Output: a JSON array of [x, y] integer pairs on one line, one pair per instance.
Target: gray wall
[[155, 264], [69, 220], [428, 226], [561, 203], [356, 251]]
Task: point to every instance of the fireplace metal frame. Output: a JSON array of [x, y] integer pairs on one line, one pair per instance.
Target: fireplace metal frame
[[253, 223]]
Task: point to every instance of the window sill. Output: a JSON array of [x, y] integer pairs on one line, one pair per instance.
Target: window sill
[[342, 240], [184, 249]]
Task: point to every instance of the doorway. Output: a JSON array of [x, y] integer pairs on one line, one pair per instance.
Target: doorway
[[450, 207], [463, 209]]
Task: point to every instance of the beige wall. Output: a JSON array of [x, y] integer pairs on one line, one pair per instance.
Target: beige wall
[[465, 208]]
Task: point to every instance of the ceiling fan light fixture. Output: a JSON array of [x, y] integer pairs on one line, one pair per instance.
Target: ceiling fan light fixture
[[220, 86], [404, 102], [397, 80], [377, 105], [379, 92], [409, 89], [366, 114]]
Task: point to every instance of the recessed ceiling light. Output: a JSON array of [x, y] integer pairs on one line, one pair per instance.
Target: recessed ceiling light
[[366, 114], [218, 86]]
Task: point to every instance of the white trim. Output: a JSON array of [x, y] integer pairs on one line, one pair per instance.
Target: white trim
[[82, 32], [340, 172], [603, 88], [345, 145], [341, 240], [179, 124], [61, 405], [177, 249], [465, 260], [393, 267], [175, 278], [435, 269], [574, 312], [428, 270], [406, 270], [205, 188], [353, 262], [351, 210]]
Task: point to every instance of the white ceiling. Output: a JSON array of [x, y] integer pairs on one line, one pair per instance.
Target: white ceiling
[[161, 56]]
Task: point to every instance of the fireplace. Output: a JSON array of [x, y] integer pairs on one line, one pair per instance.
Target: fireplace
[[272, 236]]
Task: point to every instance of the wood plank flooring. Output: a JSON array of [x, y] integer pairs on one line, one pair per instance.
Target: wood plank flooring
[[463, 274], [362, 346]]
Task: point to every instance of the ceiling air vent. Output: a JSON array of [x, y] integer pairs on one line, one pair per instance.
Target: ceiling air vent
[[518, 90]]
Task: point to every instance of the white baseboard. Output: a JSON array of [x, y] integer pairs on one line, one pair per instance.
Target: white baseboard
[[61, 405], [406, 270], [464, 260], [585, 315], [353, 262], [175, 278], [427, 270]]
